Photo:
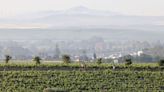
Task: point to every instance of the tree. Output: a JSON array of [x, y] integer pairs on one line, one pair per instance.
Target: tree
[[7, 58], [161, 62], [128, 61], [37, 59], [99, 61], [66, 59]]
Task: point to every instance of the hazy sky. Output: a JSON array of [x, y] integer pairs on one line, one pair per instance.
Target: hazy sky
[[132, 7]]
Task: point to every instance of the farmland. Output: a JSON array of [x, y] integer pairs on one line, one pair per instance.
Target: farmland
[[73, 78], [18, 66]]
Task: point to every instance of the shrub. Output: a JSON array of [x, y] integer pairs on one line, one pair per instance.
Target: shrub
[[99, 61], [7, 58], [66, 59], [37, 59], [128, 61], [161, 62], [55, 90]]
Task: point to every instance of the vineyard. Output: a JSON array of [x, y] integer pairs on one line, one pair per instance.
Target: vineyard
[[76, 66], [137, 78]]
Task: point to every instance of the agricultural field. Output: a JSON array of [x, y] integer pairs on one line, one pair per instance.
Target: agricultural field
[[73, 78], [26, 66]]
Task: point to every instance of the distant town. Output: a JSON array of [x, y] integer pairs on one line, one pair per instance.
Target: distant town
[[83, 50]]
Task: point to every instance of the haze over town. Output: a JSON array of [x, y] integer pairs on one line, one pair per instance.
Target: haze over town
[[110, 28]]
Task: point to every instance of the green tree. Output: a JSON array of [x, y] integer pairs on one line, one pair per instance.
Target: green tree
[[128, 61], [66, 59], [37, 59], [99, 61], [161, 62], [7, 58]]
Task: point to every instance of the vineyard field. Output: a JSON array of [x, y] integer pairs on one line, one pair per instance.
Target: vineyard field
[[83, 81]]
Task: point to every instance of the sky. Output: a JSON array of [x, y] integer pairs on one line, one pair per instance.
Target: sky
[[10, 8]]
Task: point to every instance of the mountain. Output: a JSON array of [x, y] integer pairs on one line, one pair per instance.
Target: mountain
[[80, 10], [86, 11], [82, 17], [81, 23]]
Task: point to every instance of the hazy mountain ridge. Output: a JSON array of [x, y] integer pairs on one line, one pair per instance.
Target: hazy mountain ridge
[[85, 17], [82, 23]]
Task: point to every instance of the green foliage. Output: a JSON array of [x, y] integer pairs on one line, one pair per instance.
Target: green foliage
[[78, 81], [7, 58], [66, 59], [19, 65], [128, 61], [37, 59], [99, 61], [55, 90], [161, 62]]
